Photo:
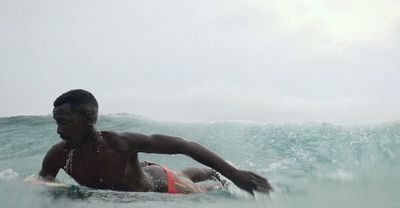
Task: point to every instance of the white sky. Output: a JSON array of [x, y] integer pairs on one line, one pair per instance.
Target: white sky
[[205, 60]]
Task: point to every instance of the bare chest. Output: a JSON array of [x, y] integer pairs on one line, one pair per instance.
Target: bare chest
[[97, 169]]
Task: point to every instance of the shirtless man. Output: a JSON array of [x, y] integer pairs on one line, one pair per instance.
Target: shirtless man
[[109, 160]]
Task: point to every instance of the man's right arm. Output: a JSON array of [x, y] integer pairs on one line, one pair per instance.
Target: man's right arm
[[164, 144], [52, 162]]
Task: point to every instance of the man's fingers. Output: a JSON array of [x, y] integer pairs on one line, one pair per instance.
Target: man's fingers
[[264, 189], [253, 182], [259, 177], [261, 184], [250, 192]]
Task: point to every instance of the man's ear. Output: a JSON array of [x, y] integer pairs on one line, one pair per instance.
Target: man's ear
[[89, 118]]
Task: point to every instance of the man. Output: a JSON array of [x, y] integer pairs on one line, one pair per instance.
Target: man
[[109, 160]]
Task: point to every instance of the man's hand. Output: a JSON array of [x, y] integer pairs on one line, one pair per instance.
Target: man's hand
[[251, 182]]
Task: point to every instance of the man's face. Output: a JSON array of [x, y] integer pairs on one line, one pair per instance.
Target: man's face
[[71, 126]]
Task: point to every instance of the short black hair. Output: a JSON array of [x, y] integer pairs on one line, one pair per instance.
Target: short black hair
[[78, 99]]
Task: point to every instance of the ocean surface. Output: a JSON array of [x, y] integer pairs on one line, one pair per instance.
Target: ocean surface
[[319, 165]]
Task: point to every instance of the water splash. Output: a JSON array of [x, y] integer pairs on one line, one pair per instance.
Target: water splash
[[309, 164], [8, 174]]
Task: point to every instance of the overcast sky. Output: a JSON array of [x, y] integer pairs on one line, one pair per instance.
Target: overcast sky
[[205, 60]]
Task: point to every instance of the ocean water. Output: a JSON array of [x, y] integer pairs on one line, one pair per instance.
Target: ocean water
[[309, 164]]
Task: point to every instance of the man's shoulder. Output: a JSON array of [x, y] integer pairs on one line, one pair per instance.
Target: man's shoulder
[[59, 147], [56, 154], [121, 140], [120, 136]]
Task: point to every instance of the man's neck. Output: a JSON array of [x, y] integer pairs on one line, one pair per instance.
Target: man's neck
[[91, 140]]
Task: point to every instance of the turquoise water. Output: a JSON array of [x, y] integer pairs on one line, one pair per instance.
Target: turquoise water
[[309, 164]]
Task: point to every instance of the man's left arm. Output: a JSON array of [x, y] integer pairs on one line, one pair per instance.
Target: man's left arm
[[163, 144]]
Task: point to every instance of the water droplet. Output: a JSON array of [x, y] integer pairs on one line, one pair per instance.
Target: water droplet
[[68, 162]]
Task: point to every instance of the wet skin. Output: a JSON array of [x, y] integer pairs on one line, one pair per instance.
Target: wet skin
[[107, 165], [98, 159], [109, 160]]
